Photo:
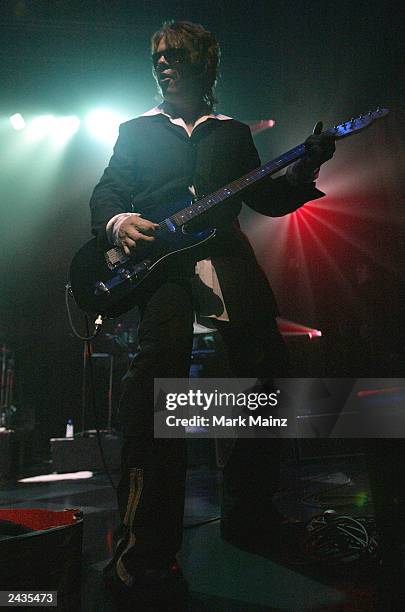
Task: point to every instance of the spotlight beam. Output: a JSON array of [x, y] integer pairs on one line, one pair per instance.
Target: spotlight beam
[[361, 246], [302, 255], [326, 254]]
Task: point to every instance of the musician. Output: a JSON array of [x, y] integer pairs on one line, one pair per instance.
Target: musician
[[183, 145]]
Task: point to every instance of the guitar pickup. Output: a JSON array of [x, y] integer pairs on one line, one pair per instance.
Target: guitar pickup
[[125, 274], [115, 257]]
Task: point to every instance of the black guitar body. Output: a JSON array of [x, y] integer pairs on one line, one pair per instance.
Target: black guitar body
[[108, 283]]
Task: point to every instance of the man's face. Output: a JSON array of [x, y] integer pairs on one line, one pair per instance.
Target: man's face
[[175, 75]]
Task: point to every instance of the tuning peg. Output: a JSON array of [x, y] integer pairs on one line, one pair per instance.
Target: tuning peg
[[317, 128]]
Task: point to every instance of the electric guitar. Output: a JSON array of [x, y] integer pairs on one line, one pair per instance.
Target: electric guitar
[[109, 283]]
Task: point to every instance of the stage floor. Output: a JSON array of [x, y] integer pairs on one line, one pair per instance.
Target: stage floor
[[223, 578]]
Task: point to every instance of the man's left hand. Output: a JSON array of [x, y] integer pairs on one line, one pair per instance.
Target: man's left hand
[[319, 147]]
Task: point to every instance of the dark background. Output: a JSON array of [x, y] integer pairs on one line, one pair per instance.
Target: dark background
[[295, 62]]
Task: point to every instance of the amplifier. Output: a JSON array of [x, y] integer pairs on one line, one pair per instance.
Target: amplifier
[[83, 453]]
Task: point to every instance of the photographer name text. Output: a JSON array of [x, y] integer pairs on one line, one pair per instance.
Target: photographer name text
[[214, 421]]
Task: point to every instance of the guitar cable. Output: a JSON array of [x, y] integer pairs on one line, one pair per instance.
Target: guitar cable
[[332, 538], [98, 322]]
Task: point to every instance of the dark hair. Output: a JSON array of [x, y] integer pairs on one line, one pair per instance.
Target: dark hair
[[202, 47]]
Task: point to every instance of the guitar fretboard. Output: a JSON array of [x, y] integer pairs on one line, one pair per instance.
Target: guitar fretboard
[[237, 186]]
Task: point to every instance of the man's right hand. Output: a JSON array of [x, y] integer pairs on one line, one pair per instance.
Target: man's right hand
[[134, 229]]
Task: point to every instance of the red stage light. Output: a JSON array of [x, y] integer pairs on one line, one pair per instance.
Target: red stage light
[[260, 125]]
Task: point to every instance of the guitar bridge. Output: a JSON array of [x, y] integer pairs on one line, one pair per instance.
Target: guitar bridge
[[115, 257]]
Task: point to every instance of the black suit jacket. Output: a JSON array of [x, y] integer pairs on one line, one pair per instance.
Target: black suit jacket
[[155, 161]]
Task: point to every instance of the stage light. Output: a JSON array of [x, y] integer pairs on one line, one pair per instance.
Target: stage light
[[103, 124], [41, 126], [64, 128], [17, 121], [259, 126], [290, 329]]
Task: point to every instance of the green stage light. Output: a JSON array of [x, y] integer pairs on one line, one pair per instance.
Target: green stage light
[[17, 121], [103, 124]]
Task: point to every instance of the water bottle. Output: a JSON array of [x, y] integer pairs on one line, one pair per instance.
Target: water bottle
[[69, 429]]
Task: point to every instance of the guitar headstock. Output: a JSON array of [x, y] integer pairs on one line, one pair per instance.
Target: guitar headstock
[[356, 124]]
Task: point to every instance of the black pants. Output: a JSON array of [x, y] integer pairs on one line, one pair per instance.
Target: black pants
[[151, 489]]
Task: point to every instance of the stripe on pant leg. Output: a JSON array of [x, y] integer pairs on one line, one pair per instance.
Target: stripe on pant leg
[[135, 491]]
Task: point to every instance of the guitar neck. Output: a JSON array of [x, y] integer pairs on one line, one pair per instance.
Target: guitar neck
[[237, 187], [354, 125]]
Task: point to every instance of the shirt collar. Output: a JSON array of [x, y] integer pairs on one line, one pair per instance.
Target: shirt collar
[[158, 110]]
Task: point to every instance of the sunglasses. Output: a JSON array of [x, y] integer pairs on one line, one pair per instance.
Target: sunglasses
[[171, 54]]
